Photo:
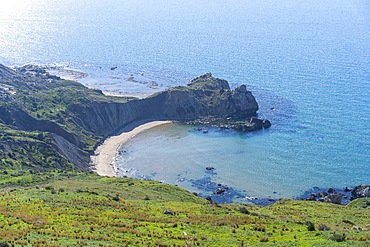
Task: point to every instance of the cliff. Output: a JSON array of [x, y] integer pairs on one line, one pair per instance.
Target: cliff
[[202, 97], [73, 119]]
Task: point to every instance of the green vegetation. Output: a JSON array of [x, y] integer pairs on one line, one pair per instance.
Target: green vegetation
[[45, 199], [28, 151], [76, 209], [33, 109]]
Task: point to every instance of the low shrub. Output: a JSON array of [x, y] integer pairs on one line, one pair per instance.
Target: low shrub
[[243, 210], [323, 227], [264, 239], [310, 226], [338, 237]]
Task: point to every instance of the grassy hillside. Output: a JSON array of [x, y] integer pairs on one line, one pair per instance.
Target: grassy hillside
[[70, 209], [45, 201]]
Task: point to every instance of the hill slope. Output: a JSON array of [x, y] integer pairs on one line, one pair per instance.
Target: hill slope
[[81, 210]]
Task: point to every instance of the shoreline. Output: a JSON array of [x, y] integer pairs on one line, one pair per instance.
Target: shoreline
[[102, 160]]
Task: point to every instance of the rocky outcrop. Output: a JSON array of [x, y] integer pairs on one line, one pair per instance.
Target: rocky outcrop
[[360, 191], [208, 82], [330, 196], [216, 99]]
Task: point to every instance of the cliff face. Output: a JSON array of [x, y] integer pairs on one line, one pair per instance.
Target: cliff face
[[204, 96], [75, 118], [207, 96]]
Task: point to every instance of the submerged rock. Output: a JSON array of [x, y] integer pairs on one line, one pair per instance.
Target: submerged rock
[[219, 191]]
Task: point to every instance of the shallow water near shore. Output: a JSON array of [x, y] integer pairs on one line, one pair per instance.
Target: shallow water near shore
[[307, 63]]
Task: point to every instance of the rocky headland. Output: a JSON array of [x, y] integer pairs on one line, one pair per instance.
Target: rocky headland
[[68, 120]]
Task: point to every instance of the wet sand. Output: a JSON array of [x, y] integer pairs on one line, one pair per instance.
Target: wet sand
[[102, 160]]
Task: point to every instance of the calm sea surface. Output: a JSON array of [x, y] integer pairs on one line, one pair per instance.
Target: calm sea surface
[[309, 60]]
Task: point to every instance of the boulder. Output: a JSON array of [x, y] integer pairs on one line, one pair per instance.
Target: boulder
[[335, 198], [260, 123], [168, 212], [346, 189], [330, 196], [360, 191], [219, 191]]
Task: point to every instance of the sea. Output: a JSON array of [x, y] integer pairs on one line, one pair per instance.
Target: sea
[[307, 63]]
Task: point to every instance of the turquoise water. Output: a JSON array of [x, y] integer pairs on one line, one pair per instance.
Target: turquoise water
[[310, 60]]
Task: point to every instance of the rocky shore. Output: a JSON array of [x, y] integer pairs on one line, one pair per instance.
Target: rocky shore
[[338, 196], [241, 125]]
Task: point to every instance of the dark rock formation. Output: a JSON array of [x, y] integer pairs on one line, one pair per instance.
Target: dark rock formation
[[360, 191], [220, 191], [330, 196], [168, 212], [346, 189], [253, 124]]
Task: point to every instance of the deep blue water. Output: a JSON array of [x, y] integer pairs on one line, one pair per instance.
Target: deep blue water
[[310, 60]]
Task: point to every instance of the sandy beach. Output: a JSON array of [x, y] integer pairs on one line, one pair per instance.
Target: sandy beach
[[103, 156]]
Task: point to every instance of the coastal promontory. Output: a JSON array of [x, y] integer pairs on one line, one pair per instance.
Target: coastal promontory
[[62, 121]]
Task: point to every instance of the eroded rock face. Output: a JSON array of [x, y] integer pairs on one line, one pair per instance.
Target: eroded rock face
[[243, 100], [360, 191], [207, 96]]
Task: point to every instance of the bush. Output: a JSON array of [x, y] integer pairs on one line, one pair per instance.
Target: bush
[[264, 239], [338, 237], [348, 222], [243, 210], [323, 227], [260, 227], [310, 226], [116, 198]]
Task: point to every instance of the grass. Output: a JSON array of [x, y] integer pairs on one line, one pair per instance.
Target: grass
[[70, 209]]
